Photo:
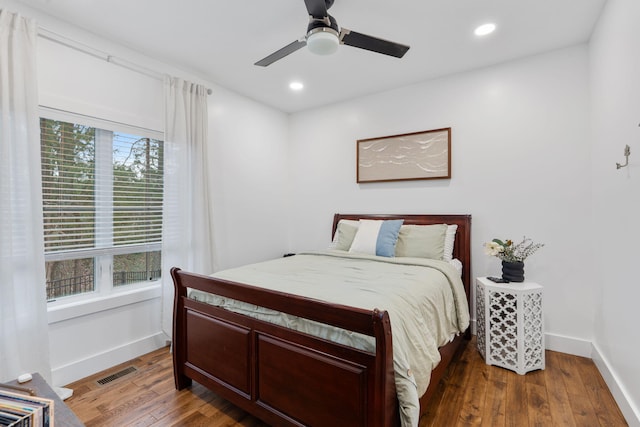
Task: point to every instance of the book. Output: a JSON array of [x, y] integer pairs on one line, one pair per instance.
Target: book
[[25, 411]]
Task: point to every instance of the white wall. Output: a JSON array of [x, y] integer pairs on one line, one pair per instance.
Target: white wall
[[249, 141], [615, 99], [520, 166]]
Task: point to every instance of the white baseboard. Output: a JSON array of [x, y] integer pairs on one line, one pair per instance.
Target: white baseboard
[[63, 375], [569, 345], [630, 412]]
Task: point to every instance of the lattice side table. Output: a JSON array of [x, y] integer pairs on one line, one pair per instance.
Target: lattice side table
[[510, 328]]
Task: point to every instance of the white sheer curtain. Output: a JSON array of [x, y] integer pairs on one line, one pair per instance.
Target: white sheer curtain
[[187, 236], [24, 332]]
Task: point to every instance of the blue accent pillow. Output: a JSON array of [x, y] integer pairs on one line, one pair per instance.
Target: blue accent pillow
[[376, 237], [387, 237]]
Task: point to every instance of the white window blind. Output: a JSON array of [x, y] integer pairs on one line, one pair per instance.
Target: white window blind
[[102, 186], [101, 189], [137, 190]]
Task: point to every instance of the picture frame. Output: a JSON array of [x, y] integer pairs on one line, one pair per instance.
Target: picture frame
[[405, 157]]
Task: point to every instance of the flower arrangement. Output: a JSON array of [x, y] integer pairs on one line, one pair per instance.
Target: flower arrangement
[[510, 252]]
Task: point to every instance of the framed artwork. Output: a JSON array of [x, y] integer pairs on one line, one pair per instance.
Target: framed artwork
[[410, 156]]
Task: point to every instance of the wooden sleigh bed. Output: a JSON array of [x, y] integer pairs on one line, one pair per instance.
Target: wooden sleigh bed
[[285, 377]]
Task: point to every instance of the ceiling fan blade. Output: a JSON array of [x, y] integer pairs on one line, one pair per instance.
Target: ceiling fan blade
[[279, 54], [374, 44], [317, 8]]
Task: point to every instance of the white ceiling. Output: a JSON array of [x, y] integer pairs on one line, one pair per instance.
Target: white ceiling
[[220, 40]]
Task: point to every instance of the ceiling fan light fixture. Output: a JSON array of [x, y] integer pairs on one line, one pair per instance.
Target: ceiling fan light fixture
[[323, 41], [323, 37]]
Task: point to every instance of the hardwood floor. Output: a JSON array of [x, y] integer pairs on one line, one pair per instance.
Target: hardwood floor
[[569, 392]]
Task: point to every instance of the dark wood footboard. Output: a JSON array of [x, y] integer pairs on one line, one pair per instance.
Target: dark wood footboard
[[283, 376]]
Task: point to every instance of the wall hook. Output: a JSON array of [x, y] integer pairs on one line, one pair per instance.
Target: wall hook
[[627, 152]]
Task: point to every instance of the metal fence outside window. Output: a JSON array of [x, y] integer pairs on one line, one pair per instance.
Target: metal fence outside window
[[82, 284]]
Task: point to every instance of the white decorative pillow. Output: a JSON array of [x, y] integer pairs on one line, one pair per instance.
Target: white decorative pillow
[[375, 237], [449, 240]]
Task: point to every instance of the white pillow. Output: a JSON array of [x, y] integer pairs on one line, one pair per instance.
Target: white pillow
[[376, 237], [449, 240]]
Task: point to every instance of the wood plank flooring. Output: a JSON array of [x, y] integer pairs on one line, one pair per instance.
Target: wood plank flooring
[[569, 392]]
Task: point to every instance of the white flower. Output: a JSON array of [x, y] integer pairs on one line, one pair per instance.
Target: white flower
[[493, 248], [506, 250]]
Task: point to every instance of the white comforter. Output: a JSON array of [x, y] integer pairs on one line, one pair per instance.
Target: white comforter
[[425, 300]]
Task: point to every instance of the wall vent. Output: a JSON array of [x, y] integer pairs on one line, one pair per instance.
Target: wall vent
[[119, 374]]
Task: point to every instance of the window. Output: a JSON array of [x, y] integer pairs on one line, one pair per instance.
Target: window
[[102, 200]]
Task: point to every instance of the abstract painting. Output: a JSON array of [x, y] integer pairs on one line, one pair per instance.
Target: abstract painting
[[410, 156]]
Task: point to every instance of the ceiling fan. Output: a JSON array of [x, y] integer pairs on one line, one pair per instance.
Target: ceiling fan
[[323, 37]]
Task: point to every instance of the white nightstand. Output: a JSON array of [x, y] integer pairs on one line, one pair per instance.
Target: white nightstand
[[510, 328]]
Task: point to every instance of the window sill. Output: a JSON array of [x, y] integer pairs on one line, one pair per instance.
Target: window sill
[[61, 311]]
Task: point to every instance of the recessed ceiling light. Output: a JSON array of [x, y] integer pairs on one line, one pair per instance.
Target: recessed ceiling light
[[485, 29], [296, 86]]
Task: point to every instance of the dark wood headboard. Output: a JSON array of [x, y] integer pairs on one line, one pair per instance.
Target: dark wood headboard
[[461, 248]]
